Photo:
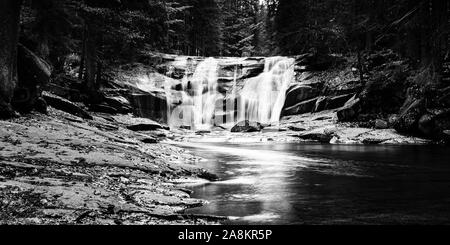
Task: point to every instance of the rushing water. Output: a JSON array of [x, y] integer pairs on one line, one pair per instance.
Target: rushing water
[[200, 105], [326, 184]]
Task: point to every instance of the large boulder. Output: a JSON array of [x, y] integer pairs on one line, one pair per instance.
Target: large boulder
[[322, 137], [33, 73], [300, 108], [65, 105], [299, 93], [247, 127]]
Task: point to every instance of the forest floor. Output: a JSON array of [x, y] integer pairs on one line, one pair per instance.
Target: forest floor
[[61, 169]]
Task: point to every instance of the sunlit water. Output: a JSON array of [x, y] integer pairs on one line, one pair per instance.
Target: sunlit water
[[325, 184], [200, 105]]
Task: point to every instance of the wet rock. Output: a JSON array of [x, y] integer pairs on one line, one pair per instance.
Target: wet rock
[[247, 127], [350, 110], [381, 124], [324, 137], [296, 129], [299, 93], [146, 127], [65, 105], [300, 108], [372, 141]]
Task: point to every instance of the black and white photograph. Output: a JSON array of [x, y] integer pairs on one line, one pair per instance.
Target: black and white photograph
[[225, 113]]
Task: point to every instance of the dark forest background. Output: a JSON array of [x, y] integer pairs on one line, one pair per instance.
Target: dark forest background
[[98, 34]]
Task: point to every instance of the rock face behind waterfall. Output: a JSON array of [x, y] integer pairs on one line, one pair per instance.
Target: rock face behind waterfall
[[201, 93]]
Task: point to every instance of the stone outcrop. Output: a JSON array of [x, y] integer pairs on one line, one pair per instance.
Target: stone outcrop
[[299, 93], [247, 127], [65, 105]]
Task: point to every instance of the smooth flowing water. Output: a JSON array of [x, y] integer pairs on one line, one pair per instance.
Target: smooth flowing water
[[201, 105], [325, 184]]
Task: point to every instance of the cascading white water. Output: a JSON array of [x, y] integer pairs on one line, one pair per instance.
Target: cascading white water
[[197, 98], [198, 104], [262, 98]]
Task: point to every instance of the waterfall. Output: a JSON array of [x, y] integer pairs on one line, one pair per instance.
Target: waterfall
[[196, 101], [262, 98], [197, 104]]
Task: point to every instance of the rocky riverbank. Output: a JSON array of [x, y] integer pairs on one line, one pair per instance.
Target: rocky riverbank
[[62, 169]]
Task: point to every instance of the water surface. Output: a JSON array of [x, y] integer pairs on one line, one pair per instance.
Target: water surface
[[325, 184]]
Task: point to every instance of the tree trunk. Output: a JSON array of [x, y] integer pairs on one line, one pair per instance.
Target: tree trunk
[[91, 64], [9, 32], [83, 54]]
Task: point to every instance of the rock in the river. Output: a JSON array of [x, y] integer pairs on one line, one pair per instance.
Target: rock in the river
[[321, 137], [300, 108], [247, 127], [65, 105], [372, 141], [350, 110], [299, 93], [381, 124]]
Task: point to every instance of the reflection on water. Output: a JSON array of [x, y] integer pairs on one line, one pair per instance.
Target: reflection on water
[[326, 184]]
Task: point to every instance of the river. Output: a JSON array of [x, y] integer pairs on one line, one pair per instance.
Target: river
[[294, 183]]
